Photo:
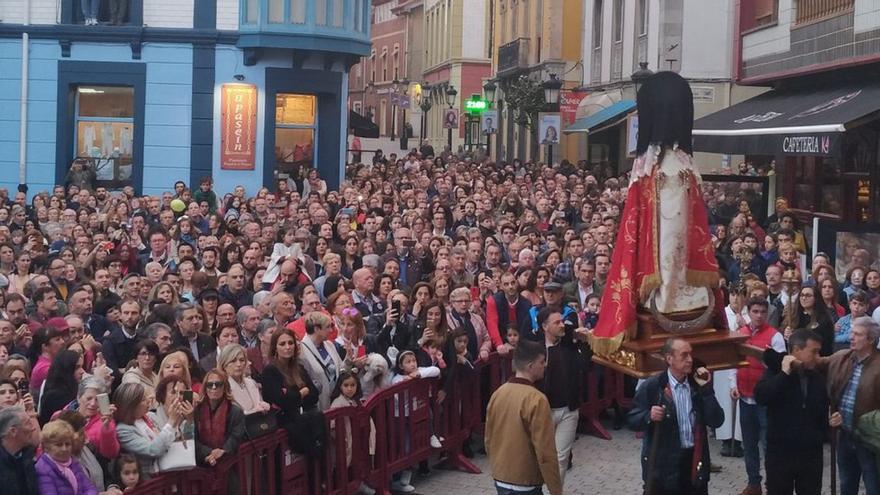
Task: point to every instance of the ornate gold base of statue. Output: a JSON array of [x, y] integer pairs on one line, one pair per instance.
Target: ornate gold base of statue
[[639, 355]]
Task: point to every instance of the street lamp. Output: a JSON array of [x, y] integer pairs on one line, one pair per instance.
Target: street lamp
[[394, 85], [403, 105], [638, 77], [425, 104], [551, 87], [489, 93], [451, 93]]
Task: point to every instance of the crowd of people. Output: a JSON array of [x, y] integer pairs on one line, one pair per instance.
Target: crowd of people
[[130, 324]]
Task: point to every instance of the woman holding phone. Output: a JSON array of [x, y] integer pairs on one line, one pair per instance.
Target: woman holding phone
[[93, 402]]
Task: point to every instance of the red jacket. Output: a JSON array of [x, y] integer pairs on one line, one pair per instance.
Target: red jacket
[[748, 377]]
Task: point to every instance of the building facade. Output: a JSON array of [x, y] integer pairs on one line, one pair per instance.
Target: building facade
[[534, 39], [244, 91], [820, 126], [457, 55], [691, 37]]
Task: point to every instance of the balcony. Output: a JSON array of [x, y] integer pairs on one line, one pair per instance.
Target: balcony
[[339, 26], [513, 56]]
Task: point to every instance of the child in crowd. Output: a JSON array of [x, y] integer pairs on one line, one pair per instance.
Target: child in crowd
[[512, 336], [858, 307], [281, 251], [788, 259], [590, 316], [348, 393], [127, 472]]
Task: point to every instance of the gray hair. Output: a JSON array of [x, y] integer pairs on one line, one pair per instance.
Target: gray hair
[[181, 309], [91, 383], [10, 417], [153, 329], [265, 325], [259, 296], [242, 315], [870, 325]]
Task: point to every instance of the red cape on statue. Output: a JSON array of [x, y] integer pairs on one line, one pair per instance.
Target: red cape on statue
[[634, 272]]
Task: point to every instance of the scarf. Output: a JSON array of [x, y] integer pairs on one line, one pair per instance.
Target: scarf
[[64, 467], [212, 424]]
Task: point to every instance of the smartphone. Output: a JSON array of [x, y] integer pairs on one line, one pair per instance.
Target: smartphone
[[188, 396], [24, 387], [409, 243], [395, 306], [348, 211], [104, 404]]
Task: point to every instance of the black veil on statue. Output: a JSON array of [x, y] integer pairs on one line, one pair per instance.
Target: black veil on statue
[[666, 113]]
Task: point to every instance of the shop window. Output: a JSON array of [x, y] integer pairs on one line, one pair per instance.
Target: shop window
[[104, 132], [295, 133]]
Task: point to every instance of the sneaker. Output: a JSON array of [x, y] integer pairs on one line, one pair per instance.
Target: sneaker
[[398, 486], [366, 490], [435, 442]]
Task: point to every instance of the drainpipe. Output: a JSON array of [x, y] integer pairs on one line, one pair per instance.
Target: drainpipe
[[22, 133]]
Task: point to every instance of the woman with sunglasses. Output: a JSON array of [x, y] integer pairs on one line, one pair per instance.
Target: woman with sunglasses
[[219, 422]]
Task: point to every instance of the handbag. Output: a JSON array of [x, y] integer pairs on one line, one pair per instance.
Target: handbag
[[258, 424], [181, 455]]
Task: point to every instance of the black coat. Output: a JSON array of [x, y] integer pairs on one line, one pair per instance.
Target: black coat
[[666, 465], [205, 344], [17, 474], [794, 422], [118, 349], [287, 399]]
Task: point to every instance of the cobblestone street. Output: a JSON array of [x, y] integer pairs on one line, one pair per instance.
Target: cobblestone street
[[600, 468]]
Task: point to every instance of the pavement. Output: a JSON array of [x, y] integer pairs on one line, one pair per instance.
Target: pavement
[[600, 467]]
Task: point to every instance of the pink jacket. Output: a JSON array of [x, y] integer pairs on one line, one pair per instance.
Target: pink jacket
[[103, 438]]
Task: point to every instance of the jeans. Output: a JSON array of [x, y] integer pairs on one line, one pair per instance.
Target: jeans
[[753, 419], [90, 8], [508, 491], [566, 423], [855, 462]]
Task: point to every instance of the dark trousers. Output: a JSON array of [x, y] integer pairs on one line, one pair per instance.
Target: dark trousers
[[118, 11], [685, 487], [793, 471]]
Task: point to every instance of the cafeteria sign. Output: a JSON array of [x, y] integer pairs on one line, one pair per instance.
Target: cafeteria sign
[[238, 126]]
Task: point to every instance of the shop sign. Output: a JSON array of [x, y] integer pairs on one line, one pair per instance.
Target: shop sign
[[238, 126], [568, 105], [807, 145]]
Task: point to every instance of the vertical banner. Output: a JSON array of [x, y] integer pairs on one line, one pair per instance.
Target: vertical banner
[[238, 126], [489, 122], [548, 128], [450, 118], [568, 105]]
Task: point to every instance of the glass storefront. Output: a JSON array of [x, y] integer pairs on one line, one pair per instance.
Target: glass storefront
[[104, 132]]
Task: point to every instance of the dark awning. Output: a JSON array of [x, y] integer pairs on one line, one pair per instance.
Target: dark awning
[[362, 126], [788, 122]]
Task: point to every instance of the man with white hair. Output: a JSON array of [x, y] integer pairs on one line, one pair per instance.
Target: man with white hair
[[17, 472], [854, 389]]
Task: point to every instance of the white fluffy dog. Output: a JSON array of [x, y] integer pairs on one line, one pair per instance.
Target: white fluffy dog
[[376, 376]]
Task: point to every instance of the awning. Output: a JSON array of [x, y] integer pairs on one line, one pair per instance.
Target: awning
[[362, 126], [601, 118], [788, 122]]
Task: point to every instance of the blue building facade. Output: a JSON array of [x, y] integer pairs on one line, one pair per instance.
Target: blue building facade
[[143, 102]]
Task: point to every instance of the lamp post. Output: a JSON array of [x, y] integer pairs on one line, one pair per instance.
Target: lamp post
[[551, 86], [403, 135], [638, 77], [489, 94], [393, 98], [425, 104], [451, 93]]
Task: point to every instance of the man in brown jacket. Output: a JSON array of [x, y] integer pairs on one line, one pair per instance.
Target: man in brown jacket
[[520, 438], [854, 389]]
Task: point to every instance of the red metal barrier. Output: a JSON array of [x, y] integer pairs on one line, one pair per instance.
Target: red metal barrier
[[402, 421]]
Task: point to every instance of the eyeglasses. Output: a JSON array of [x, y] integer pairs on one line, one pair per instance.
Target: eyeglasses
[[213, 385]]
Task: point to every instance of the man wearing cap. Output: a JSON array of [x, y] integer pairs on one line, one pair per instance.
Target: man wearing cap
[[553, 300]]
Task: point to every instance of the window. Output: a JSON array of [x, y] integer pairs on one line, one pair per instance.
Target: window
[[617, 26], [338, 10], [295, 127], [809, 10], [298, 11], [104, 132], [252, 11], [597, 24], [276, 11], [321, 12], [642, 28], [373, 66], [757, 13]]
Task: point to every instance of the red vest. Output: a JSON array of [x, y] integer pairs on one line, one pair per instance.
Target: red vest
[[747, 378]]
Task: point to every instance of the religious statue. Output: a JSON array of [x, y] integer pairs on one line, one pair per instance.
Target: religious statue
[[663, 262]]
